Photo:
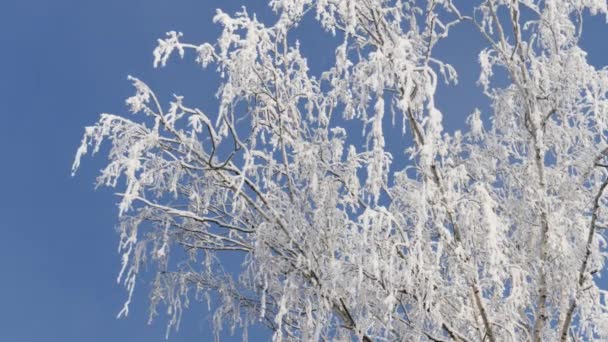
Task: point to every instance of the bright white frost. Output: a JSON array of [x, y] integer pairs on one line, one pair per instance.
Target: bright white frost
[[496, 234]]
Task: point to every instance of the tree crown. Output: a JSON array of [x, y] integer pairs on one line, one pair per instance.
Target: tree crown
[[491, 234]]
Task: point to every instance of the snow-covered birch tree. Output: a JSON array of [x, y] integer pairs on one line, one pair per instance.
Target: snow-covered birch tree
[[497, 233]]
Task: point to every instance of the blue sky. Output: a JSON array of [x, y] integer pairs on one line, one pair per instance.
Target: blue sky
[[62, 63]]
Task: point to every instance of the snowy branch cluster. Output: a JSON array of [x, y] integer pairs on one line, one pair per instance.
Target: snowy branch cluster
[[495, 234]]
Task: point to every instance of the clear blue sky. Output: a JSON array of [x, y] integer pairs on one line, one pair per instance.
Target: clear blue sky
[[62, 63]]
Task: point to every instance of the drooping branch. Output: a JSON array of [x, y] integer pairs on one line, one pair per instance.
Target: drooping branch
[[565, 327]]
